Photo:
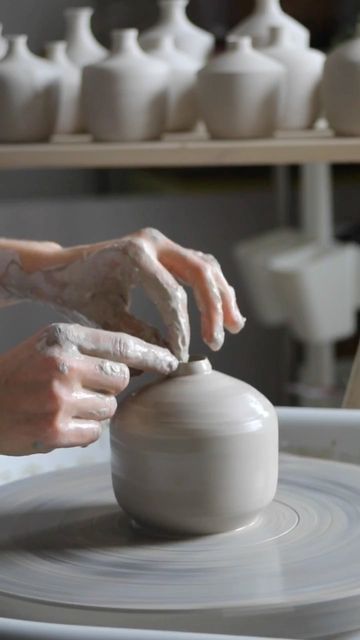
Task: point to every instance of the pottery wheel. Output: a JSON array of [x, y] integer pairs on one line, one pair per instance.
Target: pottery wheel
[[64, 541]]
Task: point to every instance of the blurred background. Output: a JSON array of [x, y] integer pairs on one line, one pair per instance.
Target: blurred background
[[210, 210]]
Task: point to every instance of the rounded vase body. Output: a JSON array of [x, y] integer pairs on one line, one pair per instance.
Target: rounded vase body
[[29, 89], [3, 43], [69, 118], [341, 88], [82, 46], [267, 14], [302, 101], [125, 96], [182, 105], [240, 92], [195, 453], [189, 38]]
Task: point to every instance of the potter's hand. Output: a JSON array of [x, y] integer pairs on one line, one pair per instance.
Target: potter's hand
[[58, 387], [96, 281]]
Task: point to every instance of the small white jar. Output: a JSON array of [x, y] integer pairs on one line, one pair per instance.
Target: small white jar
[[82, 46], [195, 453], [240, 92], [125, 96], [69, 118]]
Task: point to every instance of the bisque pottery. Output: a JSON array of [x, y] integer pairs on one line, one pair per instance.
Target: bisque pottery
[[182, 105], [302, 103], [82, 46], [189, 38], [125, 96], [69, 118], [267, 14], [195, 453], [341, 87], [29, 90], [240, 92], [3, 43]]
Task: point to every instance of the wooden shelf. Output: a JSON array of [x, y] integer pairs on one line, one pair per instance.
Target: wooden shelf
[[186, 150]]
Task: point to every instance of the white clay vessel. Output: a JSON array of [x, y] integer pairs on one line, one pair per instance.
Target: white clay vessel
[[82, 46], [69, 118], [125, 96], [189, 38], [29, 89], [182, 105], [3, 43], [341, 87], [195, 453], [240, 92], [302, 104], [267, 14]]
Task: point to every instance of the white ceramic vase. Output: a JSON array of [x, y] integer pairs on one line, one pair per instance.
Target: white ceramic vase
[[267, 14], [29, 90], [182, 106], [240, 92], [341, 87], [3, 43], [69, 118], [195, 453], [125, 96], [82, 46], [302, 104], [189, 38]]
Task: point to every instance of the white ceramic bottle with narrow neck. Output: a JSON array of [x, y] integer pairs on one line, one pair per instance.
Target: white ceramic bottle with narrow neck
[[69, 118], [267, 14], [125, 96], [182, 105], [29, 89], [195, 453], [3, 43], [341, 87], [240, 92], [302, 104], [189, 38], [82, 46]]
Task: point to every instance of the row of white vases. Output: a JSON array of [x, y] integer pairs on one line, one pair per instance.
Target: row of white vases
[[129, 94]]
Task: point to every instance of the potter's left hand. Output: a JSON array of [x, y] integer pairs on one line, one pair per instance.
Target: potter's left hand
[[95, 282]]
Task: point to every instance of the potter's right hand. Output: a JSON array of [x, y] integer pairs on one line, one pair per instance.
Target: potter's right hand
[[58, 387]]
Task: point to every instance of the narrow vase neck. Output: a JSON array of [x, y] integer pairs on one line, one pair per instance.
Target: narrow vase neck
[[56, 51], [268, 6], [17, 46], [195, 366], [78, 22], [173, 10], [243, 44], [125, 41]]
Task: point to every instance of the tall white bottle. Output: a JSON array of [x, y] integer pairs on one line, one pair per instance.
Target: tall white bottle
[[69, 118], [82, 46], [267, 14], [173, 21], [29, 89]]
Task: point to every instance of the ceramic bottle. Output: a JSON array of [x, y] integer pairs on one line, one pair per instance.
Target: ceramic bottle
[[69, 118], [182, 106], [125, 96], [3, 43], [82, 46], [29, 90], [302, 104], [195, 453], [189, 38], [267, 14], [341, 87], [240, 92]]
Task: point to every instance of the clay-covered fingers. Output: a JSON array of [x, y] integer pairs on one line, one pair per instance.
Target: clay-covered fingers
[[233, 320], [89, 405], [102, 376]]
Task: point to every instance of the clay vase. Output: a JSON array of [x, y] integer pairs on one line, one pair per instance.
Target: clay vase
[[3, 43], [69, 118], [82, 46], [182, 105], [302, 105], [189, 38], [267, 14], [29, 90], [125, 96], [240, 92], [195, 453], [341, 87]]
